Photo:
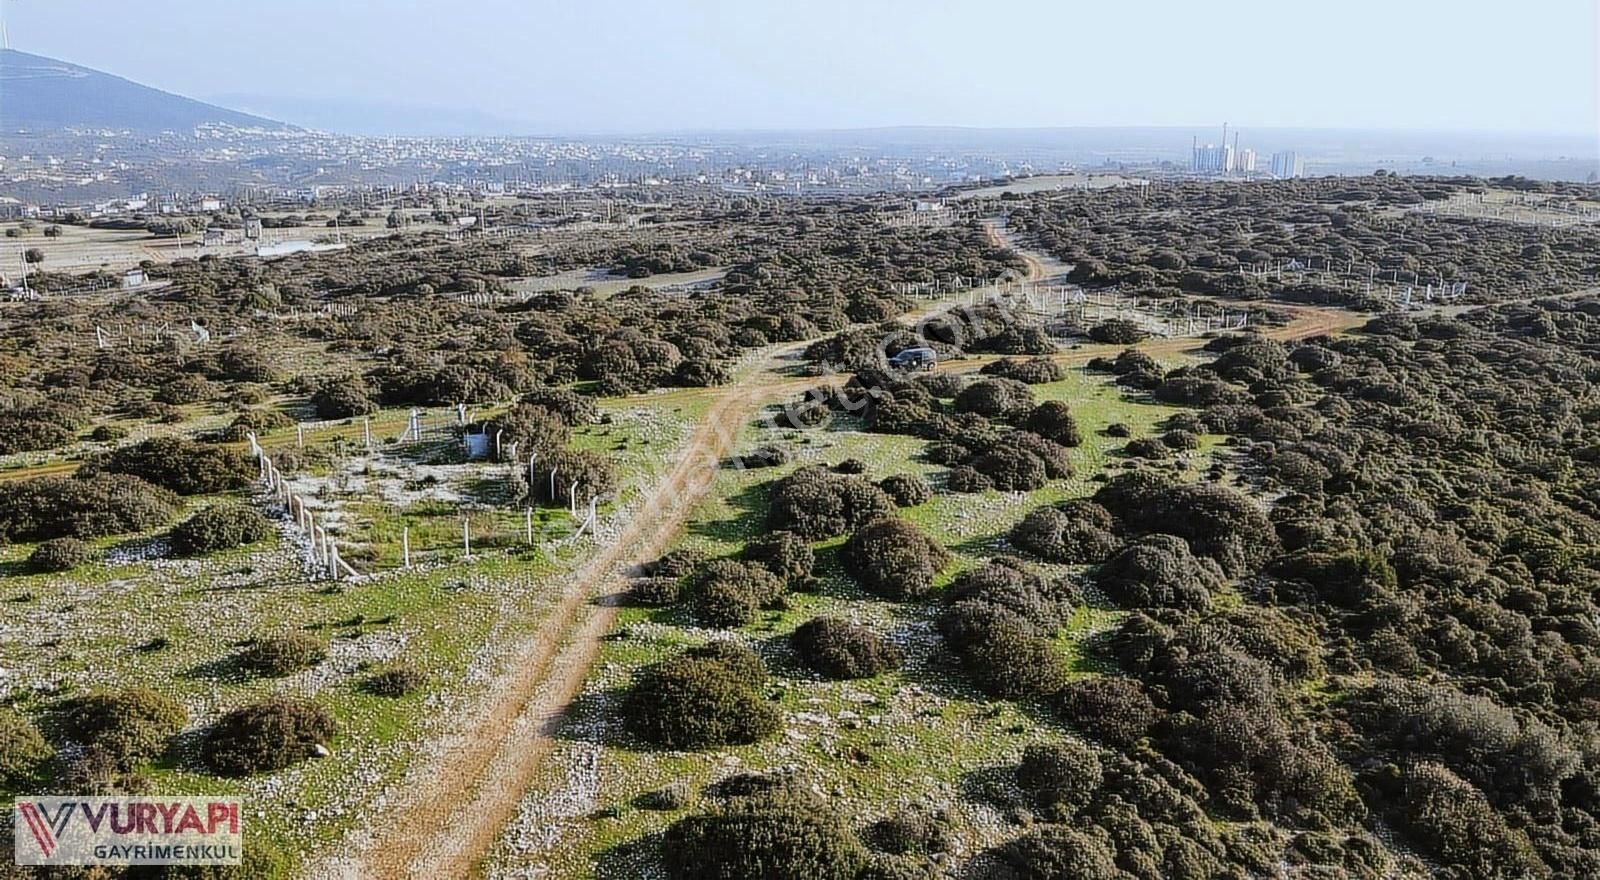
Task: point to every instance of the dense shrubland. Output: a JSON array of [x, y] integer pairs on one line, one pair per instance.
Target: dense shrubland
[[24, 752], [396, 681], [219, 527], [266, 736], [816, 503], [1075, 532], [82, 506], [59, 554], [906, 490], [991, 433], [895, 559], [282, 655], [1375, 614], [776, 832], [1407, 633], [705, 697], [787, 555], [182, 466], [729, 592], [1000, 621], [1193, 237], [798, 270], [39, 426], [121, 729], [837, 648], [987, 328]]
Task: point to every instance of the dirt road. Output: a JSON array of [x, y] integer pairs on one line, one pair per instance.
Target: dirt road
[[997, 237], [451, 810]]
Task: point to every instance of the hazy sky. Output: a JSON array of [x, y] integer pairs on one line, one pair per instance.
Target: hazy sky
[[651, 65]]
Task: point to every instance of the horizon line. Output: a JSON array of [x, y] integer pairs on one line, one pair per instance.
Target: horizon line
[[957, 127]]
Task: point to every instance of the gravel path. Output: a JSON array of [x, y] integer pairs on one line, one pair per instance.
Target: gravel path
[[448, 811]]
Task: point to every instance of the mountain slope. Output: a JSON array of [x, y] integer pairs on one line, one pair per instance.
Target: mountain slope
[[38, 94], [357, 116]]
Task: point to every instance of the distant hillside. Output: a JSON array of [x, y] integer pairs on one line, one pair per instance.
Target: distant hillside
[[41, 94]]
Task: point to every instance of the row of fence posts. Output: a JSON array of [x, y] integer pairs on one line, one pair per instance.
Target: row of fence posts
[[325, 551], [300, 435], [1349, 278], [326, 310], [1036, 295], [586, 524], [1554, 216], [1059, 299]]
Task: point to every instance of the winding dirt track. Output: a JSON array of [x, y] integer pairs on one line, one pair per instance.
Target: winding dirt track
[[451, 811], [1036, 270], [445, 815]]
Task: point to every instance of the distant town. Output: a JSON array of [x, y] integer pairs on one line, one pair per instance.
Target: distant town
[[101, 172]]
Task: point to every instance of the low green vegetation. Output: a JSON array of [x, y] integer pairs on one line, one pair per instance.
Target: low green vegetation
[[870, 705], [206, 608], [267, 736], [1230, 607]]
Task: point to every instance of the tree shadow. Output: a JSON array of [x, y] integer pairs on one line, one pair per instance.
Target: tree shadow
[[986, 865], [225, 669], [939, 671], [781, 659], [151, 646], [356, 622], [941, 674], [140, 548], [675, 616], [487, 491], [614, 598], [183, 751], [631, 859], [427, 452], [750, 504], [841, 423], [994, 785], [593, 717], [1096, 654], [994, 544], [771, 416], [833, 578], [266, 583]]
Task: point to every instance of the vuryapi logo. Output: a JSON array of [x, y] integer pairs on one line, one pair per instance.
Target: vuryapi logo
[[67, 830], [45, 827]]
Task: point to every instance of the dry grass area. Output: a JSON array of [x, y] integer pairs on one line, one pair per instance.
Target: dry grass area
[[83, 249]]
